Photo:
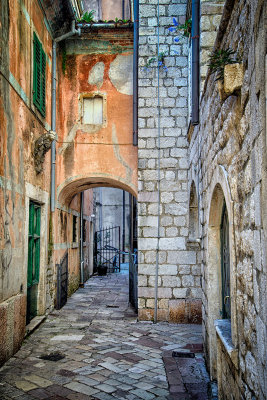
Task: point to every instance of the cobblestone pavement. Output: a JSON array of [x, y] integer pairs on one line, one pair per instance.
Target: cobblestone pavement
[[94, 348]]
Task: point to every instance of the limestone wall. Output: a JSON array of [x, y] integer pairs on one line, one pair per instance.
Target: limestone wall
[[227, 156], [179, 289]]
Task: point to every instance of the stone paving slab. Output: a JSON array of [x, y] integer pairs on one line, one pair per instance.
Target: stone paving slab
[[104, 353]]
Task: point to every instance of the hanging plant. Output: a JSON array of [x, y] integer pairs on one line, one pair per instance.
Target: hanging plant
[[183, 29], [218, 59]]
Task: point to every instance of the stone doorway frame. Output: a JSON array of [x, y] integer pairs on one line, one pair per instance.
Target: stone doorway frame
[[218, 192]]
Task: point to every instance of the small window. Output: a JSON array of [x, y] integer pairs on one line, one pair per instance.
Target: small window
[[84, 230], [93, 110], [74, 229], [39, 67]]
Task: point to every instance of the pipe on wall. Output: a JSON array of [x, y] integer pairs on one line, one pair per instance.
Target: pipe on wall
[[123, 225], [135, 72], [158, 170], [195, 62], [53, 124], [54, 108], [81, 241]]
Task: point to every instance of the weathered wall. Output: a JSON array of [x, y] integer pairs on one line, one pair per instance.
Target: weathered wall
[[98, 63], [21, 125], [179, 291], [88, 155], [228, 157], [63, 232]]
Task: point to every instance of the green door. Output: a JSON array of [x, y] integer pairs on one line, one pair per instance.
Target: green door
[[33, 259]]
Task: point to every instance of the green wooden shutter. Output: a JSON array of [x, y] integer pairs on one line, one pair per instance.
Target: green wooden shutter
[[43, 67], [39, 67]]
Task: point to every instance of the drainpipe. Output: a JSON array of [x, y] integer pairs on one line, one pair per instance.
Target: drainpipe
[[53, 107], [158, 168], [53, 124], [123, 9], [107, 25], [81, 241], [123, 225], [195, 62], [135, 72]]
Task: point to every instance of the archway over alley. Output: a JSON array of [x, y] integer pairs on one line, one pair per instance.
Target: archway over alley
[[96, 225]]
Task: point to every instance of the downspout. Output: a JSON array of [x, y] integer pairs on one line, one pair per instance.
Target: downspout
[[53, 107], [158, 216], [135, 72], [81, 241], [195, 62], [123, 9], [123, 225]]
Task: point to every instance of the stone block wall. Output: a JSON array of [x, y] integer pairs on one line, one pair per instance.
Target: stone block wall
[[211, 12], [179, 287], [227, 157]]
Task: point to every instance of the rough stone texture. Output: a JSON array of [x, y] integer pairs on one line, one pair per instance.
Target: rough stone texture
[[12, 327], [178, 297], [233, 77], [211, 12], [227, 156]]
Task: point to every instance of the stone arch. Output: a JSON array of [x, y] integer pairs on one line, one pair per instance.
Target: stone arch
[[218, 195], [76, 184], [76, 209]]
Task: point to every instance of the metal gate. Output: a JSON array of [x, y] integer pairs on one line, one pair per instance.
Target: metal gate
[[107, 248], [133, 280], [62, 282]]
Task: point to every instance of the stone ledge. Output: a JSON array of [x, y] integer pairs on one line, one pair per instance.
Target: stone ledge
[[223, 330], [35, 322]]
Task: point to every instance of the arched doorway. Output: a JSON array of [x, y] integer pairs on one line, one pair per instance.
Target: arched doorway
[[77, 231]]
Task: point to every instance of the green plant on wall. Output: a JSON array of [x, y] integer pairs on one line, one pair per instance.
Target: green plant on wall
[[183, 29], [87, 17], [218, 59], [154, 62]]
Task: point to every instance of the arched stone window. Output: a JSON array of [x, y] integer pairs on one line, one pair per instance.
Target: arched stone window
[[225, 265], [193, 214], [220, 286]]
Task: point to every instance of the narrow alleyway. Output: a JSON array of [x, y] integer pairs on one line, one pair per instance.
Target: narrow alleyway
[[94, 348]]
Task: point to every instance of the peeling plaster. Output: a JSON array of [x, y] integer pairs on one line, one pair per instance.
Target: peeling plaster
[[116, 147], [96, 75], [121, 74]]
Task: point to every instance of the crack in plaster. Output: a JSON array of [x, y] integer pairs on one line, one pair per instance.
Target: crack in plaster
[[116, 147]]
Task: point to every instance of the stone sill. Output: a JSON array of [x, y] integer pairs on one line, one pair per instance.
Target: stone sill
[[193, 244], [223, 330], [74, 245]]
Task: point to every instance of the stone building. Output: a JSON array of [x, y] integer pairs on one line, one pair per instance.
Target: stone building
[[211, 172], [68, 86], [66, 127]]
